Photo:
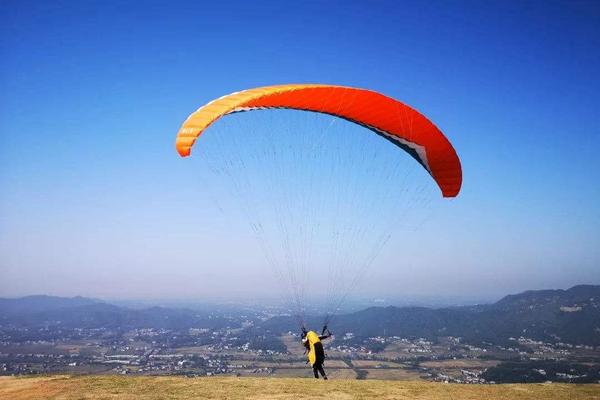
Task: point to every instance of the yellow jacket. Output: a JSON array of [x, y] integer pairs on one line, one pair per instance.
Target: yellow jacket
[[312, 339]]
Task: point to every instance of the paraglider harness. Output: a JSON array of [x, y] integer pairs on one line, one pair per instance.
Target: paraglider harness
[[321, 337]]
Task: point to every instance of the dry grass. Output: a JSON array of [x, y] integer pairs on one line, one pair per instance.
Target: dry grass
[[155, 388]]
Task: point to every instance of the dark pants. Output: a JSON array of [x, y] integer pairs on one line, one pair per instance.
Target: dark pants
[[319, 368], [319, 359]]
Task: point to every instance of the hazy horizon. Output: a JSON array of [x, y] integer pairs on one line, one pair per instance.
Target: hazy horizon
[[364, 300]]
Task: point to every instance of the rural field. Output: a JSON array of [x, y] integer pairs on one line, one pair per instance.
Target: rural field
[[119, 387]]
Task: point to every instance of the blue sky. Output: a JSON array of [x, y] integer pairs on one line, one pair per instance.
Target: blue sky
[[95, 201]]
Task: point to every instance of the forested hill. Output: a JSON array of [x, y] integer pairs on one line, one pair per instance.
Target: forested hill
[[570, 316]]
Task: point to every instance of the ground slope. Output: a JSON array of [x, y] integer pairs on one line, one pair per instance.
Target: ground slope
[[146, 388]]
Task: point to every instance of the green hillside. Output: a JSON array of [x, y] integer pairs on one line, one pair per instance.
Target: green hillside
[[154, 388]]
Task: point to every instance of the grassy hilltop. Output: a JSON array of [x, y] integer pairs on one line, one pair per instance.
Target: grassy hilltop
[[151, 388]]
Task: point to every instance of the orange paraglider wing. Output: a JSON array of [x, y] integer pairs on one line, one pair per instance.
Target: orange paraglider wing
[[387, 117]]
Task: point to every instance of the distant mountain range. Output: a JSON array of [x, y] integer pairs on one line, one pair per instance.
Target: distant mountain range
[[80, 312], [569, 316], [36, 304]]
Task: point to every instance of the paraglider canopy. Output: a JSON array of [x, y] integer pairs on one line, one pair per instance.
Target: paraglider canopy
[[397, 122]]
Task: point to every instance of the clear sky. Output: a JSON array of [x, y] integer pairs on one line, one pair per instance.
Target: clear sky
[[95, 201]]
